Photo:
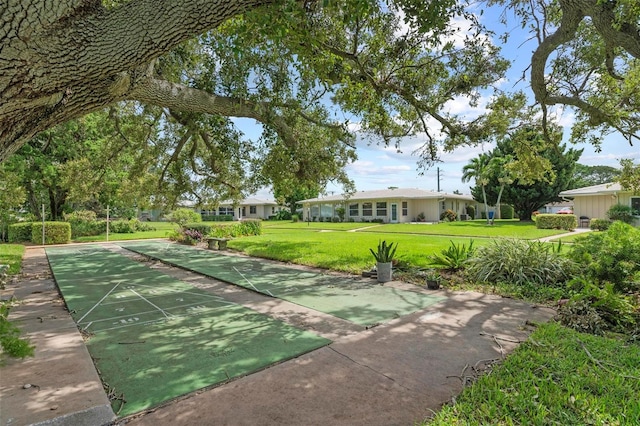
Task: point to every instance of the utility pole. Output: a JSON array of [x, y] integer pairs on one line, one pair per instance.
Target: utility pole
[[438, 179]]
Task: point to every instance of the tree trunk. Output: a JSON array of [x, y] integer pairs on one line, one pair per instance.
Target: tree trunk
[[498, 209], [486, 206], [63, 59]]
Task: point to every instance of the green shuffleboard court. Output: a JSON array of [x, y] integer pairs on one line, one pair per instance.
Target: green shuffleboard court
[[363, 303], [154, 338]]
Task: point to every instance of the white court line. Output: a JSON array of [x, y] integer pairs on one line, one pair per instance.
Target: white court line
[[103, 297], [188, 305], [251, 284], [187, 315], [149, 302]]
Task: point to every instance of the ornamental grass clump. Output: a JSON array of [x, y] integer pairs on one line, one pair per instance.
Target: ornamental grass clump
[[453, 257], [519, 262]]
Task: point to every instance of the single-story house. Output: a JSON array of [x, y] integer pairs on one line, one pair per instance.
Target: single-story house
[[249, 208], [592, 202], [399, 205]]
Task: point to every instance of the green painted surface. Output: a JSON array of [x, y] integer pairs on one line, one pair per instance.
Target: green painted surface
[[154, 338], [356, 301]]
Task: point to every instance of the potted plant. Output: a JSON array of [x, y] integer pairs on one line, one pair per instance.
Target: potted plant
[[384, 257], [432, 279]]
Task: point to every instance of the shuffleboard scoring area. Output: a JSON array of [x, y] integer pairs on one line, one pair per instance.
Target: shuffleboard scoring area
[[360, 302], [154, 338]]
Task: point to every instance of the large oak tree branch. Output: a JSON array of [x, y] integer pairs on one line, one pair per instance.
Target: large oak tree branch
[[183, 98], [624, 36], [65, 58]]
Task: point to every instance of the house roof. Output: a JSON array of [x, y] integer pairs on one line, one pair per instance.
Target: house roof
[[603, 189], [403, 193], [248, 202], [257, 201]]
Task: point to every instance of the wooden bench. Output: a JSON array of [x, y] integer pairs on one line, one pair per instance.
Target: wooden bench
[[219, 243]]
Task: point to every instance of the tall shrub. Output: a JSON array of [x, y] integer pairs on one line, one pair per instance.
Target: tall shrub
[[622, 213], [184, 216], [84, 223], [471, 212], [611, 256]]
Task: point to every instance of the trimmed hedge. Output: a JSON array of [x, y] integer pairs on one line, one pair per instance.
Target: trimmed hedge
[[557, 221], [217, 218], [54, 232], [506, 211], [19, 232]]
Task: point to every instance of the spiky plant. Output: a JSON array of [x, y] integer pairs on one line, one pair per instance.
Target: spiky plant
[[385, 253]]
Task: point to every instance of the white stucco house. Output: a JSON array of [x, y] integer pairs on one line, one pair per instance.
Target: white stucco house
[[399, 205], [249, 208], [592, 202]]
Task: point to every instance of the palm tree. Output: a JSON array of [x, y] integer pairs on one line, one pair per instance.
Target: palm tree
[[478, 169], [498, 166]]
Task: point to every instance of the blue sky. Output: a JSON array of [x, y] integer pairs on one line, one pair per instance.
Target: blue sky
[[379, 167]]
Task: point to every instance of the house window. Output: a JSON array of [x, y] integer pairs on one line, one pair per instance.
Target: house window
[[367, 209], [315, 212], [381, 209], [405, 208], [635, 204], [225, 211], [253, 210], [353, 210], [326, 210]]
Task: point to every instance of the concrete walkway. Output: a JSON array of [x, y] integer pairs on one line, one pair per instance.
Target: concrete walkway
[[59, 385], [568, 234], [394, 374]]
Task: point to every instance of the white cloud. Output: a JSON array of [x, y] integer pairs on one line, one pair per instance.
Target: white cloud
[[365, 168]]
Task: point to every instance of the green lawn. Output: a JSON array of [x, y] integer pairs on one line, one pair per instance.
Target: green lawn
[[339, 250], [344, 226], [472, 228], [573, 238], [11, 254], [557, 377]]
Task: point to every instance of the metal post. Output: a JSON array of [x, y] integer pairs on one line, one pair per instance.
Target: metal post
[[43, 224], [107, 223]]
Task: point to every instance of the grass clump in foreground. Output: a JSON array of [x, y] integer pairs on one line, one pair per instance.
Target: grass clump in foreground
[[10, 342], [558, 376], [11, 254]]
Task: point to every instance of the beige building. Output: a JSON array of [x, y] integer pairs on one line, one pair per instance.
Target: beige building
[[592, 202], [400, 205]]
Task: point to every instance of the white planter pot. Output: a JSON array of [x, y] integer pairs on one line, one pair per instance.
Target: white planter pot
[[384, 272]]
